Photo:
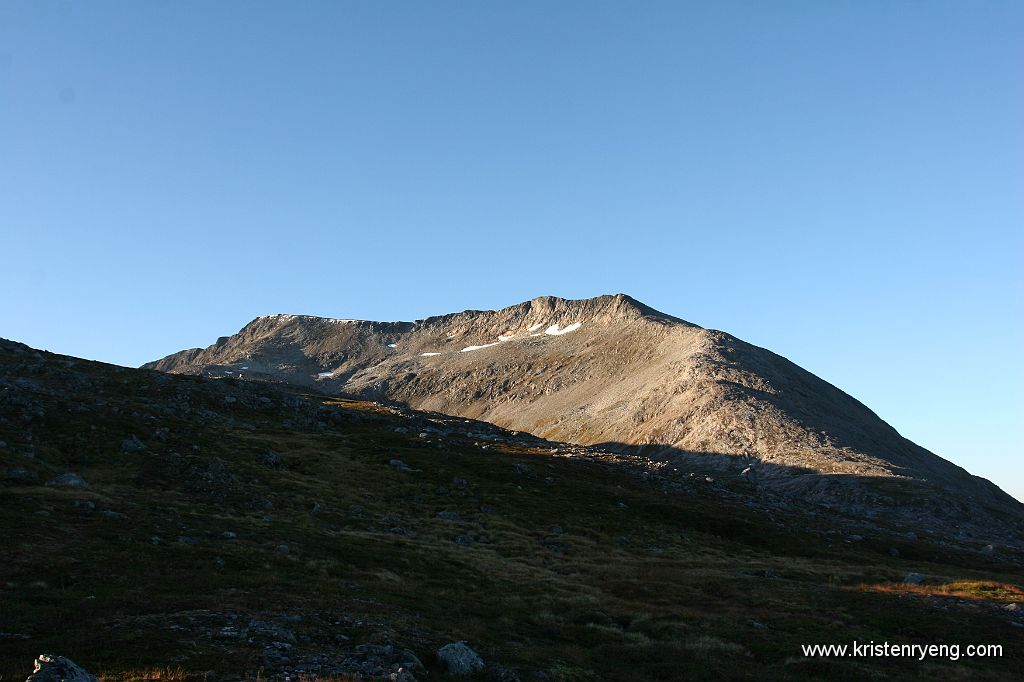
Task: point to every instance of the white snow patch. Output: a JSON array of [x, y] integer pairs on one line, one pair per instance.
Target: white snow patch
[[428, 355], [553, 330], [324, 375], [246, 367], [392, 345], [535, 327], [506, 337], [486, 345]]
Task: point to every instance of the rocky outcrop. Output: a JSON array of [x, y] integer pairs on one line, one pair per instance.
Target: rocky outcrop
[[51, 668], [459, 659]]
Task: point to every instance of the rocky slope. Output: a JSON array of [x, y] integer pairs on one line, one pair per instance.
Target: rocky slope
[[184, 529], [615, 372]]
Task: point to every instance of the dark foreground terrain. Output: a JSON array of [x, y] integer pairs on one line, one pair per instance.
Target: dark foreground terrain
[[176, 528]]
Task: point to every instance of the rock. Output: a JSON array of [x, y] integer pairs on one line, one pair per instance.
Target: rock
[[110, 514], [229, 535], [51, 668], [1015, 608], [449, 516], [855, 538], [67, 480], [282, 549], [521, 469], [87, 505], [132, 444], [894, 553], [913, 579], [758, 625], [186, 540], [459, 659], [265, 630], [271, 459], [988, 549], [503, 674], [911, 537], [400, 465], [749, 475]]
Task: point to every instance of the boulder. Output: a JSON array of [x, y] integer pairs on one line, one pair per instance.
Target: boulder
[[132, 444], [68, 480], [400, 465], [52, 668], [459, 659], [913, 579]]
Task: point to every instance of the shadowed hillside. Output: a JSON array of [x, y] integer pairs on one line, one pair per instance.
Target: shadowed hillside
[[181, 528], [612, 370]]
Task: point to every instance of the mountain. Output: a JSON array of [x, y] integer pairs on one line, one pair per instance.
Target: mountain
[[188, 529], [615, 372]]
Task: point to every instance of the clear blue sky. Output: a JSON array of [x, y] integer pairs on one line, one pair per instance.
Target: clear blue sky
[[841, 182]]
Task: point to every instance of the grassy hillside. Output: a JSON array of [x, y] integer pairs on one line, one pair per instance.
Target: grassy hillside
[[233, 530]]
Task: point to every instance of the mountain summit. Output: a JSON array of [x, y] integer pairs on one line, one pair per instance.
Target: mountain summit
[[612, 371]]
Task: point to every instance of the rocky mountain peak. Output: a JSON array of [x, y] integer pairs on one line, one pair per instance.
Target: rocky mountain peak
[[607, 371]]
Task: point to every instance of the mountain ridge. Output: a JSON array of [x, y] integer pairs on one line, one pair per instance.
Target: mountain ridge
[[608, 370]]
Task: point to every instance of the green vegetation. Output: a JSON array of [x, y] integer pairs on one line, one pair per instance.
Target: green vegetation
[[579, 569]]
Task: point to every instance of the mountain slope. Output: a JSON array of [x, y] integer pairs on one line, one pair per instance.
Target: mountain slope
[[159, 527], [613, 371]]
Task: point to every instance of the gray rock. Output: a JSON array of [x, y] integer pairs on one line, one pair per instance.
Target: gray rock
[[68, 480], [271, 459], [913, 579], [449, 516], [894, 553], [111, 514], [229, 535], [400, 465], [459, 659], [988, 549], [132, 444], [283, 549], [51, 668]]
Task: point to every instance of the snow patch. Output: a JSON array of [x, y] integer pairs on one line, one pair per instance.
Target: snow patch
[[535, 327], [392, 345], [486, 345], [324, 375], [428, 355], [506, 337], [553, 330]]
